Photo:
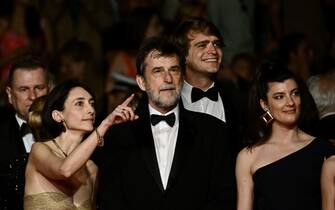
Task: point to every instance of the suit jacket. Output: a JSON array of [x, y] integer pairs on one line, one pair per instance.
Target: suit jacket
[[326, 126], [13, 160], [234, 112], [201, 176], [234, 115]]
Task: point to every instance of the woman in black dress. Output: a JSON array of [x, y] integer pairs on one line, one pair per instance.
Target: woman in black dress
[[280, 168]]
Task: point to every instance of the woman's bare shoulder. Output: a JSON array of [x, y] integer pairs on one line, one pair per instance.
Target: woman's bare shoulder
[[41, 145], [39, 148], [247, 155], [305, 137], [248, 152], [328, 168], [330, 161]]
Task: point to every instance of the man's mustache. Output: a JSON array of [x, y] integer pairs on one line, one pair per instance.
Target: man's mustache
[[167, 87]]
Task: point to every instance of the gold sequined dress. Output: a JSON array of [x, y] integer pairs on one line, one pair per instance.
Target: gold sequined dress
[[53, 201]]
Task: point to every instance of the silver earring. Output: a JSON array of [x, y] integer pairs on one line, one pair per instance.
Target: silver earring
[[267, 116]]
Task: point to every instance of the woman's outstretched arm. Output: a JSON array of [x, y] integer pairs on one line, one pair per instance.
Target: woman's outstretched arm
[[55, 167]]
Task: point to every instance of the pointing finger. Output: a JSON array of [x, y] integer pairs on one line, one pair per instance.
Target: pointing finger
[[128, 100]]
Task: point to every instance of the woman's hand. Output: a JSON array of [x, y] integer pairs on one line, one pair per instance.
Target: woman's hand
[[122, 113]]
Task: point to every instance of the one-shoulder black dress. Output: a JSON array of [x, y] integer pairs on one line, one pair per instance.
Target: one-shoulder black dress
[[293, 182]]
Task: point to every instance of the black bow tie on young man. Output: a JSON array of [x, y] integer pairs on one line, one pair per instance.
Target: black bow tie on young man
[[198, 94], [24, 129], [169, 119]]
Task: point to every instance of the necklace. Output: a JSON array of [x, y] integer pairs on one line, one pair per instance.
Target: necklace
[[57, 145]]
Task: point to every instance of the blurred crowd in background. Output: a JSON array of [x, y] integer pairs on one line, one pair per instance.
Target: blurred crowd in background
[[96, 42]]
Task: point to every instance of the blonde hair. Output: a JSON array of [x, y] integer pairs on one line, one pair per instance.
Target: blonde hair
[[35, 119]]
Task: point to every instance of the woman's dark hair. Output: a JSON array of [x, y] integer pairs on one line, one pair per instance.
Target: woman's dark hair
[[257, 131], [55, 101]]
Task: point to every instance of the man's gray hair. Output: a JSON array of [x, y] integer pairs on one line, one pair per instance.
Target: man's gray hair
[[322, 88]]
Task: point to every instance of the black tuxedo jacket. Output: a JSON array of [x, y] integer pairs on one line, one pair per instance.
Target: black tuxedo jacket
[[13, 159], [201, 176], [234, 115], [326, 127]]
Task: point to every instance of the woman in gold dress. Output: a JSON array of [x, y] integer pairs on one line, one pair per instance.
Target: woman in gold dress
[[59, 173]]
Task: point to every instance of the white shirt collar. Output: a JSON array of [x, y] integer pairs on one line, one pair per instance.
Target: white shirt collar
[[165, 139], [28, 139], [19, 120]]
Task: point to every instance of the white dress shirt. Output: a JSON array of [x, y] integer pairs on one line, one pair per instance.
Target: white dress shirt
[[204, 105], [165, 139], [28, 139]]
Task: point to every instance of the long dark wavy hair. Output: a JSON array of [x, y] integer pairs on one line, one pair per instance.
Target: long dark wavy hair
[[258, 132]]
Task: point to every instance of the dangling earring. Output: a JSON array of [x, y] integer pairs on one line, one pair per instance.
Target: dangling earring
[[267, 116], [63, 125]]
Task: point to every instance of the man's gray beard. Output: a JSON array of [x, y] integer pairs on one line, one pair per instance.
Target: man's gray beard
[[173, 103], [159, 103]]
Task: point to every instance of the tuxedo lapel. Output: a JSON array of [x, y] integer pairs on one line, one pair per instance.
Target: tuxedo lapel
[[225, 104], [147, 147], [16, 139], [183, 148], [231, 105]]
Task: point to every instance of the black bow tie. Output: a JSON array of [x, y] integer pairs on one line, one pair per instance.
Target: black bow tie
[[24, 129], [169, 119], [198, 94]]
